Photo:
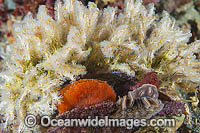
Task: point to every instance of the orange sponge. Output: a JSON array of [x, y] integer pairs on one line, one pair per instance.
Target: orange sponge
[[85, 92]]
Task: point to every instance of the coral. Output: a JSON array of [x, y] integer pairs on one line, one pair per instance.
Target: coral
[[85, 92], [47, 52]]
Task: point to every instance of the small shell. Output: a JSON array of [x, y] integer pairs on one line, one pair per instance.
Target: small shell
[[146, 90]]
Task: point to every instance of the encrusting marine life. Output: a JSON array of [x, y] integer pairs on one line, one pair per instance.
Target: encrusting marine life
[[47, 52], [85, 92]]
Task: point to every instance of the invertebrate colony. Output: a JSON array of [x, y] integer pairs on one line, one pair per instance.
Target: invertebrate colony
[[142, 102], [48, 53]]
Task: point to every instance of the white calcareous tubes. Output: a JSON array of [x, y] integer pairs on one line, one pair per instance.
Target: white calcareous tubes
[[47, 52]]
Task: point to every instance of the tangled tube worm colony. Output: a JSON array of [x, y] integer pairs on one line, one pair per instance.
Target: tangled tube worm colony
[[48, 52]]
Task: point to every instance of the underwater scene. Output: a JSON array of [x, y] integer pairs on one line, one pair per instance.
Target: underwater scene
[[105, 66]]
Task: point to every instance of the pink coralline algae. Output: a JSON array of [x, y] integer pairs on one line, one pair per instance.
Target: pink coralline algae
[[149, 78], [172, 108], [23, 7], [146, 2], [100, 109]]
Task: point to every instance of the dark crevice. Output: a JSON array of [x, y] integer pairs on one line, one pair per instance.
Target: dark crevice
[[194, 31]]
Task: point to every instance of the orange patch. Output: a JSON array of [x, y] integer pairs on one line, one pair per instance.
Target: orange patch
[[85, 92]]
